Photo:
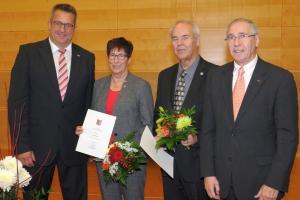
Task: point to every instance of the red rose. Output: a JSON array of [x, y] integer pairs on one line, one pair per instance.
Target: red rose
[[116, 156], [112, 149]]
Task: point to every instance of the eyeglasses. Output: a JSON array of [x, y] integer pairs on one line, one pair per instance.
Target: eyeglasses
[[58, 24], [239, 37], [119, 56]]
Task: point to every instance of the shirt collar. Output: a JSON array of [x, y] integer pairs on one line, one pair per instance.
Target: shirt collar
[[55, 48], [190, 71], [249, 67]]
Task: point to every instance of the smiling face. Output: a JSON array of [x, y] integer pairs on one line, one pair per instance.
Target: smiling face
[[60, 36], [242, 51], [117, 66], [184, 44]]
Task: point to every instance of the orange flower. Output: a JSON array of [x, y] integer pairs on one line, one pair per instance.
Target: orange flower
[[105, 166], [180, 115], [165, 131]]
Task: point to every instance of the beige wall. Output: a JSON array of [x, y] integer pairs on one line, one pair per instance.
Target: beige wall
[[146, 24]]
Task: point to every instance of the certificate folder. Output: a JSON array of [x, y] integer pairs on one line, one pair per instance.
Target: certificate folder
[[97, 130]]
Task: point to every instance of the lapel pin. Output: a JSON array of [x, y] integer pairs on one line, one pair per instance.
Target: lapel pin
[[258, 80], [201, 73], [78, 55]]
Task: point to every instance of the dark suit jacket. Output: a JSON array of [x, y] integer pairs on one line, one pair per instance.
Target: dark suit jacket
[[188, 161], [260, 146], [48, 123]]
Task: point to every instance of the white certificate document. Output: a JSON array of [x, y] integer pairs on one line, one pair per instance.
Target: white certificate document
[[97, 129], [163, 159]]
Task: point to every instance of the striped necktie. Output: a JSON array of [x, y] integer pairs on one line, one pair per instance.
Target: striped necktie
[[62, 73]]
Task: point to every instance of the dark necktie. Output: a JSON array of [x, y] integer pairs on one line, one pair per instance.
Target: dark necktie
[[179, 93]]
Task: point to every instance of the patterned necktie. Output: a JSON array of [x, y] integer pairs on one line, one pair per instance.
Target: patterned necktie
[[179, 93], [62, 73], [238, 92]]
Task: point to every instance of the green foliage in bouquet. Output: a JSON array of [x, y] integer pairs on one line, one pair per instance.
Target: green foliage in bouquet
[[174, 127], [122, 158], [10, 195], [39, 194]]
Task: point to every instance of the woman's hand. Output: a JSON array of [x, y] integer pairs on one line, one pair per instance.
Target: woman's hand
[[78, 130]]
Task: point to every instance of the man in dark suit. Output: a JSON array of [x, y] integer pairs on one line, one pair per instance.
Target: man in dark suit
[[50, 114], [186, 183], [248, 155]]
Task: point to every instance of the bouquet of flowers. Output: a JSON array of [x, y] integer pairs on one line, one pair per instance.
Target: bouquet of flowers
[[174, 127], [12, 174], [12, 177], [122, 158]]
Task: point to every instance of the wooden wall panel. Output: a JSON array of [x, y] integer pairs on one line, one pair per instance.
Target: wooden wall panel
[[33, 15], [10, 42], [290, 54], [4, 87], [269, 47], [147, 24], [3, 130], [216, 13], [291, 13]]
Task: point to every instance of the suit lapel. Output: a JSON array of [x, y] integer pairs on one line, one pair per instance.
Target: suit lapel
[[47, 57], [75, 64], [171, 89], [226, 83], [256, 82], [195, 84]]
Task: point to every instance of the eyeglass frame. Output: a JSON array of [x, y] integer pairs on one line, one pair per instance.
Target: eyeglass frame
[[113, 56], [239, 37], [67, 26]]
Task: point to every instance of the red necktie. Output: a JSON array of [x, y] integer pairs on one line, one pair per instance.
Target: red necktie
[[62, 73], [238, 92]]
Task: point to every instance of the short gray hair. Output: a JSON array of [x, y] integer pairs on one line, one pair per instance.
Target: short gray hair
[[196, 30], [253, 27]]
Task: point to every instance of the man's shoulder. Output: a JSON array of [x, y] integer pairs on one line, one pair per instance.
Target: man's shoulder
[[208, 64], [81, 49], [33, 44], [170, 69]]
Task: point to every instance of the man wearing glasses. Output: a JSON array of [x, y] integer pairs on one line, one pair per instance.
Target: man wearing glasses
[[50, 92], [250, 123]]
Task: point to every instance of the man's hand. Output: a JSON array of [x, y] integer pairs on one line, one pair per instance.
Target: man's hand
[[27, 158], [78, 130], [212, 187], [267, 193], [189, 141]]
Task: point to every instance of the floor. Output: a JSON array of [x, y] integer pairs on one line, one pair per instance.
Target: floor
[[153, 189]]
